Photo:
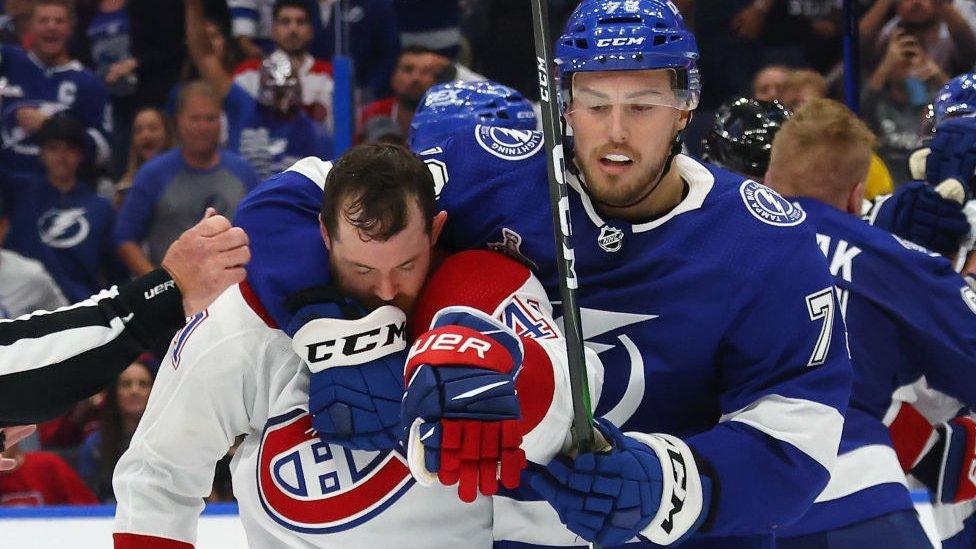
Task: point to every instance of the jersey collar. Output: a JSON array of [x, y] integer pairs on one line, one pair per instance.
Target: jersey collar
[[72, 65], [697, 176]]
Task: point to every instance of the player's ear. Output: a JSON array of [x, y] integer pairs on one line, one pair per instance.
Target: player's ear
[[325, 234], [855, 199], [436, 225], [683, 119]]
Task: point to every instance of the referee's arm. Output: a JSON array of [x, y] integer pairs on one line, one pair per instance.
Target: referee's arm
[[50, 360]]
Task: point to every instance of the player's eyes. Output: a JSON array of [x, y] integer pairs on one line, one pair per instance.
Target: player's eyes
[[639, 108], [407, 267], [363, 270]]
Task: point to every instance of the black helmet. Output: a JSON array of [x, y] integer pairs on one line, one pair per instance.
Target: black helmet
[[742, 135]]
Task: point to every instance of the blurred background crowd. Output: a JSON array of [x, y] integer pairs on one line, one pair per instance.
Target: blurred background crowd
[[122, 121]]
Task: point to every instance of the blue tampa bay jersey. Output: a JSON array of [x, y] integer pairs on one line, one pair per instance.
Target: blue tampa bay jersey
[[26, 82], [716, 322], [908, 314]]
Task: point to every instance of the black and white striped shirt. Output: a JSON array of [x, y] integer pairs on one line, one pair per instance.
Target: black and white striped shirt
[[51, 359]]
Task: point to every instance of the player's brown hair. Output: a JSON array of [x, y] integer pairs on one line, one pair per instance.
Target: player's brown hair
[[372, 187]]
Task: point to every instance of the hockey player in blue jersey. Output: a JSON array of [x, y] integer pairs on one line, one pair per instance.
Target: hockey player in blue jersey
[[820, 158], [271, 132], [45, 80], [705, 293]]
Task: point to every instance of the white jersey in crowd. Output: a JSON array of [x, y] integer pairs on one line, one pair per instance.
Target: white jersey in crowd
[[26, 286]]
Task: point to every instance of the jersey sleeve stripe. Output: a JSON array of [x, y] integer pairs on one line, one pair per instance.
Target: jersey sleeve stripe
[[315, 169], [811, 427], [860, 469]]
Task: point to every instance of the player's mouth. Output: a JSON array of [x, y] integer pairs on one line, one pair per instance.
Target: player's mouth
[[616, 163]]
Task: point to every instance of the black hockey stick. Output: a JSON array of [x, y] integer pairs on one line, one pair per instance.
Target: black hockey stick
[[582, 430]]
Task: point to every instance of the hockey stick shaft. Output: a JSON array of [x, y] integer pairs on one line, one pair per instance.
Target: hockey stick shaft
[[582, 429]]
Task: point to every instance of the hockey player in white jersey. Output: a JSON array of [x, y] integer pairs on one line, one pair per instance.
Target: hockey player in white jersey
[[231, 372]]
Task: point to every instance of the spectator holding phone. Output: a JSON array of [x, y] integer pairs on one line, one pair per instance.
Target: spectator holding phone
[[896, 95]]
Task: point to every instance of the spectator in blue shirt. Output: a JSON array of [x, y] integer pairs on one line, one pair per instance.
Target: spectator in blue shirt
[[271, 132], [60, 221], [45, 81], [171, 192]]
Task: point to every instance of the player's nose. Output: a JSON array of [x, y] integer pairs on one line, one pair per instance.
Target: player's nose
[[386, 289], [618, 125]]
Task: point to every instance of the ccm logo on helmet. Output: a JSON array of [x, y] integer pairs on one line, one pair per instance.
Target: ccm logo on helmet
[[393, 334], [629, 41], [451, 342]]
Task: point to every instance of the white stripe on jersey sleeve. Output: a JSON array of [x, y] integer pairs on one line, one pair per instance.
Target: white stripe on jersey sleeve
[[860, 469], [811, 427], [313, 168]]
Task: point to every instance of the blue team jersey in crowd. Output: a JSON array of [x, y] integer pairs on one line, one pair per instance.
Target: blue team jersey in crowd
[[109, 34], [908, 314], [716, 322], [269, 143], [71, 234], [69, 87]]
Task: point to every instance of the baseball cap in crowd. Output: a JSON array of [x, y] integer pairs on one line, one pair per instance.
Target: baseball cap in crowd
[[61, 127]]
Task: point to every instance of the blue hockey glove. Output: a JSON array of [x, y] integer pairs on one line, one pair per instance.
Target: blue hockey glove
[[356, 361], [918, 213], [610, 498], [460, 410], [953, 154]]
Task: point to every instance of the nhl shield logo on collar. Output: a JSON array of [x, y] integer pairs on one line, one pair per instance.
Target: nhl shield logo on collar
[[610, 239]]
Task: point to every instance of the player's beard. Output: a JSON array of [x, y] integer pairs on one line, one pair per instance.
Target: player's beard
[[620, 191]]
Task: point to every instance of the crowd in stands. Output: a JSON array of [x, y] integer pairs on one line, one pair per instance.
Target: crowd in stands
[[121, 122]]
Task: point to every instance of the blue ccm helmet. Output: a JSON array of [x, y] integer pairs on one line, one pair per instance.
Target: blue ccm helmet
[[603, 35], [448, 107], [956, 98]]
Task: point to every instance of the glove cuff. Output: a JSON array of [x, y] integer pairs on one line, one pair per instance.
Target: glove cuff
[[415, 456], [330, 342], [682, 493]]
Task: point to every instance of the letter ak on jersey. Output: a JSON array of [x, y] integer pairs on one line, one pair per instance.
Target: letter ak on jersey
[[312, 487]]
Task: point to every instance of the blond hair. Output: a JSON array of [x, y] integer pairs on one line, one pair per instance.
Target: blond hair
[[822, 151], [801, 78]]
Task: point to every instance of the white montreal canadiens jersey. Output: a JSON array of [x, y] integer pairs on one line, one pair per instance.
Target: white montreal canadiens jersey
[[228, 374]]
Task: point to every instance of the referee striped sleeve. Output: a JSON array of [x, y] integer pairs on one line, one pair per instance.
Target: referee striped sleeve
[[52, 359]]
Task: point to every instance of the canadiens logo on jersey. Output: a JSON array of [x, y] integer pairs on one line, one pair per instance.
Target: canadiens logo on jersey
[[769, 207], [63, 228], [508, 143], [309, 486]]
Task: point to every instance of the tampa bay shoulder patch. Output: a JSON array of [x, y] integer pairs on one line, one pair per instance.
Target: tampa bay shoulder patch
[[768, 206], [508, 143]]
